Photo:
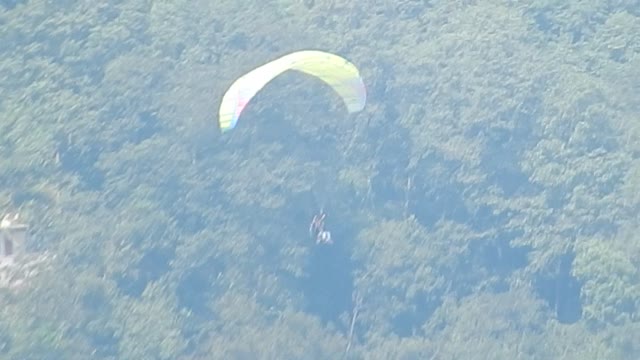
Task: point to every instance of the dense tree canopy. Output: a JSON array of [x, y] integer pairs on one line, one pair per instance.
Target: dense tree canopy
[[484, 204]]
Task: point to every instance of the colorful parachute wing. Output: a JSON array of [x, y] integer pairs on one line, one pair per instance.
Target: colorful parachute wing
[[334, 70]]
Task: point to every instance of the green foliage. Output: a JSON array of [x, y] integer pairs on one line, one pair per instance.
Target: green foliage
[[609, 272], [483, 205]]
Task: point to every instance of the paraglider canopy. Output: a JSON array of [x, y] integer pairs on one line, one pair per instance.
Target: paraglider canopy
[[334, 70]]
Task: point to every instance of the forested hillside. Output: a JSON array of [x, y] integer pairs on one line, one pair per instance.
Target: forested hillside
[[484, 205]]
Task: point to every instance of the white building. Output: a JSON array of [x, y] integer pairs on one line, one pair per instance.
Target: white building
[[17, 266], [13, 235]]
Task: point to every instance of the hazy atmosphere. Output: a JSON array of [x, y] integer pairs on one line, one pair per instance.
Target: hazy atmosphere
[[483, 203]]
